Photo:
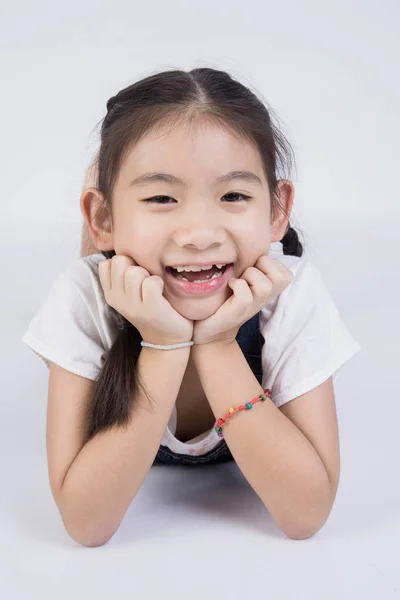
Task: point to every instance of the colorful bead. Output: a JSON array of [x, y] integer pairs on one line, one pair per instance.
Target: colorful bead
[[220, 422]]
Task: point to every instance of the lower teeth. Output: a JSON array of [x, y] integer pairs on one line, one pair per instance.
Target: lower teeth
[[217, 274]]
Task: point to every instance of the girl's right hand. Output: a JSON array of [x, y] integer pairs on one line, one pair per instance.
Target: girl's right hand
[[138, 296]]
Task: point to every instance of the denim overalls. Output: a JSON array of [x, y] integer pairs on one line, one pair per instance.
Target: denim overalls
[[250, 341]]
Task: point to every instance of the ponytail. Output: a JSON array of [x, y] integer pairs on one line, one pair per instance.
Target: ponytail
[[111, 403], [291, 243]]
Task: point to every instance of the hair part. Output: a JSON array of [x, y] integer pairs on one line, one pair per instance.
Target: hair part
[[170, 98]]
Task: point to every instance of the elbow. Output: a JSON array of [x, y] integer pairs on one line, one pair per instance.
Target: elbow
[[86, 537], [83, 530], [304, 528], [300, 534], [310, 521], [92, 543]]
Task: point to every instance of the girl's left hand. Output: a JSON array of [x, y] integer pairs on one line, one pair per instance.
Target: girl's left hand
[[256, 287]]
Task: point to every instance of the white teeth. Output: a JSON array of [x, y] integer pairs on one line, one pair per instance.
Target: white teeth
[[197, 268]]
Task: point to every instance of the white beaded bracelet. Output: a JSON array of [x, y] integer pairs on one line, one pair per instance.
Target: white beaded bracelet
[[171, 347]]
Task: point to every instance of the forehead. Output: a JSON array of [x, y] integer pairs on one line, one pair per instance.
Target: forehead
[[196, 148]]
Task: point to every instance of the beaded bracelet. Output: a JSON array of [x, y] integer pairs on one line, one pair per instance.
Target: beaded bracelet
[[232, 410]]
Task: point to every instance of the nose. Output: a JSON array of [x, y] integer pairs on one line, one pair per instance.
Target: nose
[[200, 237]]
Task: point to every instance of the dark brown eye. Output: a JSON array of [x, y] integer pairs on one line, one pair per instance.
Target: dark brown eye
[[246, 198], [154, 198]]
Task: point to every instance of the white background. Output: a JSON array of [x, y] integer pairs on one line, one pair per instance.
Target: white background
[[330, 70]]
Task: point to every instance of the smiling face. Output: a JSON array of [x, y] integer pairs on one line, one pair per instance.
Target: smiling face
[[194, 217]]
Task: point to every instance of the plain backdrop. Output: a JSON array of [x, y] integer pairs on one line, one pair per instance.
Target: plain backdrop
[[330, 71]]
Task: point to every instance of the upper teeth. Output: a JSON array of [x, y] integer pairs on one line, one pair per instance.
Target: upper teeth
[[196, 268]]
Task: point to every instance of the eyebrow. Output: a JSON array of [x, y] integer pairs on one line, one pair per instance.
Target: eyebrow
[[148, 178]]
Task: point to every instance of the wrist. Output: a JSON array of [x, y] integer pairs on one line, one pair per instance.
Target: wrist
[[215, 344]]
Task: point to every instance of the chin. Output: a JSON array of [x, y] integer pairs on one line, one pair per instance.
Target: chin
[[198, 308]]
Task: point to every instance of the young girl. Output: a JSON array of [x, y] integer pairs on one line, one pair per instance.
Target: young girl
[[196, 332]]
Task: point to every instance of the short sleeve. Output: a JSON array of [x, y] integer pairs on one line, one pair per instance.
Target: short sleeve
[[64, 330], [306, 341]]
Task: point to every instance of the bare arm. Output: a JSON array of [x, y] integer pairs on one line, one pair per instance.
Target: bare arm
[[107, 473], [276, 457]]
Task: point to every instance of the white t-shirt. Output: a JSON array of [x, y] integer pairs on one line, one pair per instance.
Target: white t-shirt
[[305, 339]]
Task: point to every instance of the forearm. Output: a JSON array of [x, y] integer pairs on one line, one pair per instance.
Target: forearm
[[275, 457], [108, 472]]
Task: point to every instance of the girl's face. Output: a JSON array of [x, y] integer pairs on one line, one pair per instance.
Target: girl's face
[[194, 218]]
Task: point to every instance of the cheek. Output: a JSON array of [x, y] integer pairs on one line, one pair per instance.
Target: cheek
[[256, 246], [250, 255], [256, 227], [143, 246]]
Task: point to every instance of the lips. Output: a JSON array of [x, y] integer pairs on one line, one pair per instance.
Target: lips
[[180, 286]]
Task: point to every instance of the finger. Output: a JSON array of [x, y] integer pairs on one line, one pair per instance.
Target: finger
[[105, 274], [135, 277], [119, 264], [242, 296], [152, 289], [276, 271], [261, 287], [256, 278], [267, 264]]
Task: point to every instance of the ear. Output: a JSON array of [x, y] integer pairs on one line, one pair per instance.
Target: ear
[[281, 216], [98, 218]]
